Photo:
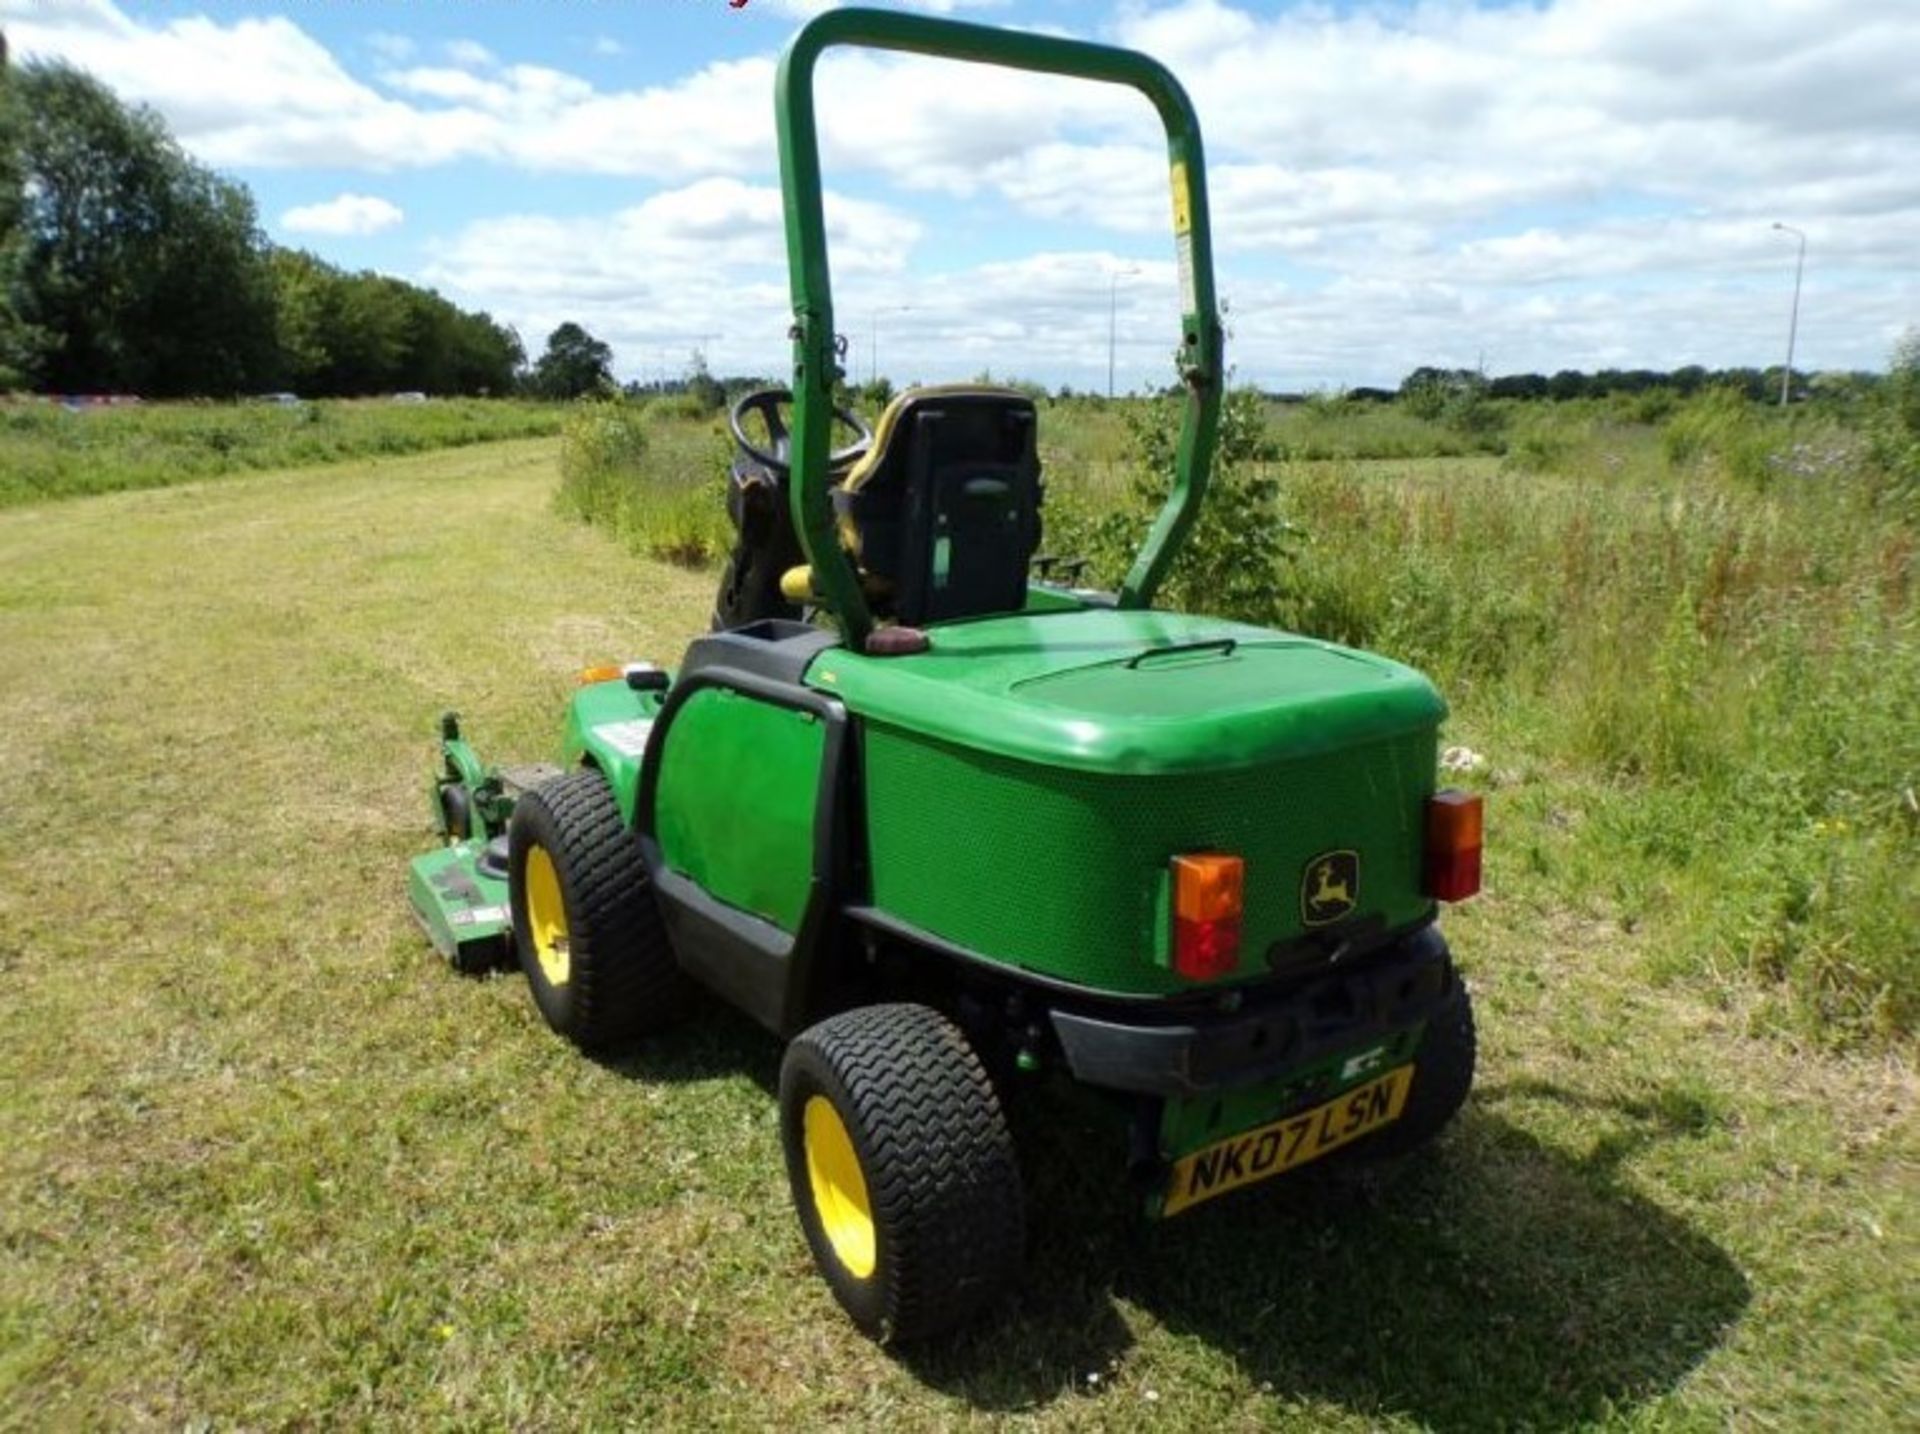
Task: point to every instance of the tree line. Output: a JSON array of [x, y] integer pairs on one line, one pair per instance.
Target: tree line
[[127, 267], [1758, 384]]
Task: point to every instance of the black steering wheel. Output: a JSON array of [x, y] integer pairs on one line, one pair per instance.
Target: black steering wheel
[[768, 402]]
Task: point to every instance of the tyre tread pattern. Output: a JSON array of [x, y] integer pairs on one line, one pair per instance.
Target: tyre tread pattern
[[943, 1176], [1443, 1076], [624, 981]]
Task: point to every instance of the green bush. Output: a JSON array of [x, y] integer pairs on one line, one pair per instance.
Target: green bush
[[693, 404], [1233, 563], [601, 451], [1546, 440], [1706, 426], [1321, 429], [1760, 447], [1425, 398], [1471, 413], [1709, 680], [1653, 405], [650, 475]]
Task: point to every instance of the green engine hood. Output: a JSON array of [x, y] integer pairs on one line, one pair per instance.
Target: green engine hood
[[1133, 692]]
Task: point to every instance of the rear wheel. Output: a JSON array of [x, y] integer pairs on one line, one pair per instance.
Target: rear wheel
[[902, 1168], [585, 924], [1442, 1076]]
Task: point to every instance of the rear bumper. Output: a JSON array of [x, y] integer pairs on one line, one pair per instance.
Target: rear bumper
[[1268, 1037]]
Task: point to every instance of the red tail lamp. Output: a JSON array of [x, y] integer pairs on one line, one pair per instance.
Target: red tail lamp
[[1453, 844], [1208, 893]]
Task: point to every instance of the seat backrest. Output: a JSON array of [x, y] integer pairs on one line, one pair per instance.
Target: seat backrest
[[945, 508]]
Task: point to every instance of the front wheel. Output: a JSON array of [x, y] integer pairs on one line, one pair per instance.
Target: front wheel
[[902, 1168], [585, 922]]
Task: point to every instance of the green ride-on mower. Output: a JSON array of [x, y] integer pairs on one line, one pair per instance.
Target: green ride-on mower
[[943, 824]]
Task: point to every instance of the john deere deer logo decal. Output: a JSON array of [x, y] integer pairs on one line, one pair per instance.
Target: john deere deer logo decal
[[1329, 887]]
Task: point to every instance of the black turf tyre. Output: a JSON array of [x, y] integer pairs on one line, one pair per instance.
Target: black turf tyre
[[942, 1180], [1442, 1076], [620, 980]]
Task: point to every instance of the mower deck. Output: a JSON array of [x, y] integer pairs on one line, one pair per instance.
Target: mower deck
[[462, 907]]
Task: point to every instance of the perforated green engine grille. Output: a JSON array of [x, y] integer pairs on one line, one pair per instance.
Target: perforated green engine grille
[[1064, 872]]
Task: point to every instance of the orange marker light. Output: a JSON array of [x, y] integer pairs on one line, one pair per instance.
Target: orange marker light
[[1208, 893], [603, 672], [1453, 845]]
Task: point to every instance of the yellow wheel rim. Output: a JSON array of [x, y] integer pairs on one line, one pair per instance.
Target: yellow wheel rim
[[839, 1189], [547, 915]]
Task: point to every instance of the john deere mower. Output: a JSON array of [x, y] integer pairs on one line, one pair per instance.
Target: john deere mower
[[943, 825]]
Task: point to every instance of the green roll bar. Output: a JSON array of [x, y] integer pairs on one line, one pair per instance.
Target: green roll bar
[[815, 350]]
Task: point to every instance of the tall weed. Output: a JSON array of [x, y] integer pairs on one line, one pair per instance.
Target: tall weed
[[651, 472], [1234, 559], [1714, 677], [1690, 650]]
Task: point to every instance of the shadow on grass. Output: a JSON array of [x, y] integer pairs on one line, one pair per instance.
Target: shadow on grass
[[712, 1040], [1490, 1283]]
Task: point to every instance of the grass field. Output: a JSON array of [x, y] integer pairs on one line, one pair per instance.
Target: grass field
[[263, 1161]]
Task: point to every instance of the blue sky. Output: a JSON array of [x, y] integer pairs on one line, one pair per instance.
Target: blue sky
[[1570, 183]]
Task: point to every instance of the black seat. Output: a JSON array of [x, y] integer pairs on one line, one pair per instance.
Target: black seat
[[943, 513]]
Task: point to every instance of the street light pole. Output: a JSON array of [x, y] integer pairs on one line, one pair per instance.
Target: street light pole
[[873, 348], [1793, 324]]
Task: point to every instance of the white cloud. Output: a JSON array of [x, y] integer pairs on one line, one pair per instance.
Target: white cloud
[[607, 45], [704, 267], [1623, 93], [470, 53], [1562, 178], [263, 92], [704, 262], [443, 83], [1438, 113], [257, 91], [936, 124], [389, 46], [654, 286], [346, 214]]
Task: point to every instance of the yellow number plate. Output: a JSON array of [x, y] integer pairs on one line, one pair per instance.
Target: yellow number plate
[[1266, 1150]]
